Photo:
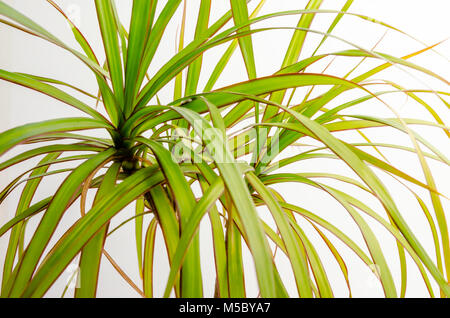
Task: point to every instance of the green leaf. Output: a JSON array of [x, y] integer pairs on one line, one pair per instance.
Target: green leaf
[[194, 69], [178, 87], [240, 16], [54, 92], [70, 244], [241, 198], [189, 53], [241, 91], [108, 28], [108, 97], [17, 135], [191, 280], [23, 210], [43, 233], [139, 219], [294, 253], [220, 66], [44, 150], [38, 30], [220, 251], [371, 242], [336, 20], [296, 45], [149, 249], [141, 23], [33, 209], [211, 195], [375, 184], [92, 252], [236, 282], [155, 36], [168, 223]]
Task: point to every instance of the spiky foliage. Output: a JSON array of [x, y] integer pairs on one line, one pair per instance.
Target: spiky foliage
[[233, 139]]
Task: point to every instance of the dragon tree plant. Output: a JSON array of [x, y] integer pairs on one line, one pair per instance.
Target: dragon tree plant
[[218, 154]]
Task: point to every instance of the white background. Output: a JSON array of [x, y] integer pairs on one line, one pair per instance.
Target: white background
[[427, 21]]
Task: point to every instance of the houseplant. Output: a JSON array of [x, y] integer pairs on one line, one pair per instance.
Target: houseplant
[[226, 143]]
